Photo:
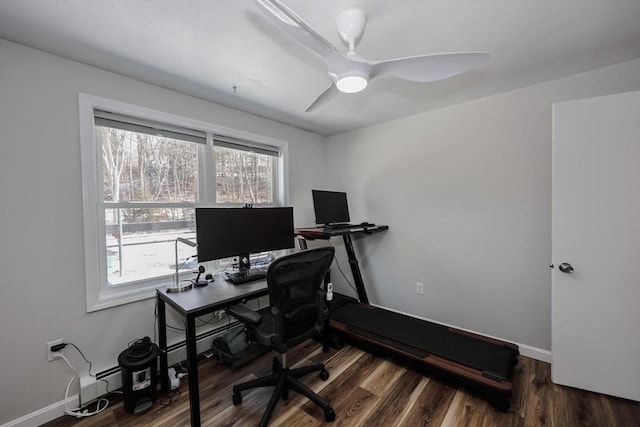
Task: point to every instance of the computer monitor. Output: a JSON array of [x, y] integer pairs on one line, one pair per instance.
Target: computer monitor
[[330, 206], [230, 232]]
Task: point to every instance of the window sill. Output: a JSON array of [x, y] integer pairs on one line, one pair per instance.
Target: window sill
[[117, 296]]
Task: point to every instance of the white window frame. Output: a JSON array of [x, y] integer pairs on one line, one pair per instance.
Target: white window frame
[[98, 294]]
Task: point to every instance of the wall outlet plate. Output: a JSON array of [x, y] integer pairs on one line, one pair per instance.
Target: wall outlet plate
[[51, 355], [419, 288]]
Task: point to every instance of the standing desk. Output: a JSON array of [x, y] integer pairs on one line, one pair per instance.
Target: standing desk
[[328, 233], [190, 305]]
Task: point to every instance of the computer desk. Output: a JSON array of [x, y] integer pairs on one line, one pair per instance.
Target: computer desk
[[190, 305]]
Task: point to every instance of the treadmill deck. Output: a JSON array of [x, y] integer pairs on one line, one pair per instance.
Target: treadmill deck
[[474, 358]]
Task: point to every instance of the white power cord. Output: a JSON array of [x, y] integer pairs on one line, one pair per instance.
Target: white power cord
[[174, 379], [79, 412]]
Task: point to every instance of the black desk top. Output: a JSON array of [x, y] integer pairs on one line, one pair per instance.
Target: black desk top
[[324, 233], [215, 296]]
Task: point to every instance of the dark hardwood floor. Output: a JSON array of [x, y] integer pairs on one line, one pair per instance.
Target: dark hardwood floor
[[368, 390]]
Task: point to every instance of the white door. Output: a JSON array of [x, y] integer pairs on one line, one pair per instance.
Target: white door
[[595, 337]]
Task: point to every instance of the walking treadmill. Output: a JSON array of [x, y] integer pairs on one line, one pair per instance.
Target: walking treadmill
[[479, 363]]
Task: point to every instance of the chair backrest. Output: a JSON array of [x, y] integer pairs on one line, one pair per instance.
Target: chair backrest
[[296, 296]]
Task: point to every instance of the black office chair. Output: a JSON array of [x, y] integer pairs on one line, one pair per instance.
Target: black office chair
[[297, 312]]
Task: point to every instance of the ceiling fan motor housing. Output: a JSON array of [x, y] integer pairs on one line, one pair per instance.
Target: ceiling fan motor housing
[[351, 23]]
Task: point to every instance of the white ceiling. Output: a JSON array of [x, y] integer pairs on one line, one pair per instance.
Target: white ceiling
[[206, 47]]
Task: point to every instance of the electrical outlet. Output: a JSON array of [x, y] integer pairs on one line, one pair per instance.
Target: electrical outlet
[[53, 355], [419, 288]]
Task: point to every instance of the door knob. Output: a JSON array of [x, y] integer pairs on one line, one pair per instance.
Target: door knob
[[565, 267]]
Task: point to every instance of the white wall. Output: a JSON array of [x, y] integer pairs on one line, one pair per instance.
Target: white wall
[[42, 289], [466, 191]]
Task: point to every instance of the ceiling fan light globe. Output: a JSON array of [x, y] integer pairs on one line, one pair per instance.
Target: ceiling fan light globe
[[352, 82]]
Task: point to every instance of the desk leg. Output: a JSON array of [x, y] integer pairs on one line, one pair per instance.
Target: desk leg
[[162, 337], [355, 269], [192, 360]]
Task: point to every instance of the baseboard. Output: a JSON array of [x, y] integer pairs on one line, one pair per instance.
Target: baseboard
[[525, 350], [535, 353], [44, 415]]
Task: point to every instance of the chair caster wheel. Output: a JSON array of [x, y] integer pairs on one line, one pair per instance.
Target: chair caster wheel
[[324, 375], [329, 415], [237, 398]]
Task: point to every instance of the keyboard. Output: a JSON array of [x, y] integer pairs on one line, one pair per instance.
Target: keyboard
[[338, 226], [245, 276]]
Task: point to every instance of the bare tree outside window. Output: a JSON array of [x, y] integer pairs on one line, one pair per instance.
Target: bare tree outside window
[[243, 176], [146, 168]]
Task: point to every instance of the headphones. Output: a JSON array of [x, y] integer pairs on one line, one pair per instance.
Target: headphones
[[140, 348]]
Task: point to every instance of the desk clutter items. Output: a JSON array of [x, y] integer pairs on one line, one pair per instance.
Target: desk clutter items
[[185, 285], [197, 282], [180, 287], [139, 377]]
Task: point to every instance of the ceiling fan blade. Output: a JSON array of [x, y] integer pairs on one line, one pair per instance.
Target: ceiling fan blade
[[295, 27], [323, 99], [430, 68]]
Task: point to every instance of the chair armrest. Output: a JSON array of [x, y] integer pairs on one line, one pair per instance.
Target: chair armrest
[[245, 315]]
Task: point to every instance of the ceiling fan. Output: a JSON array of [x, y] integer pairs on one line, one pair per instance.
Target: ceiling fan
[[351, 73]]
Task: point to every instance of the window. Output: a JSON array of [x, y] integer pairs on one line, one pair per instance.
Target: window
[[244, 173], [144, 173]]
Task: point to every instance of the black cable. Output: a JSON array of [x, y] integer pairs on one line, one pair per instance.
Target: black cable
[[335, 260], [83, 356], [206, 322], [140, 348], [155, 321], [90, 367], [175, 328], [228, 322], [226, 267]]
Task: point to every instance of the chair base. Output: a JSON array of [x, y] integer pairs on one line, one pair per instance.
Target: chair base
[[285, 379]]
